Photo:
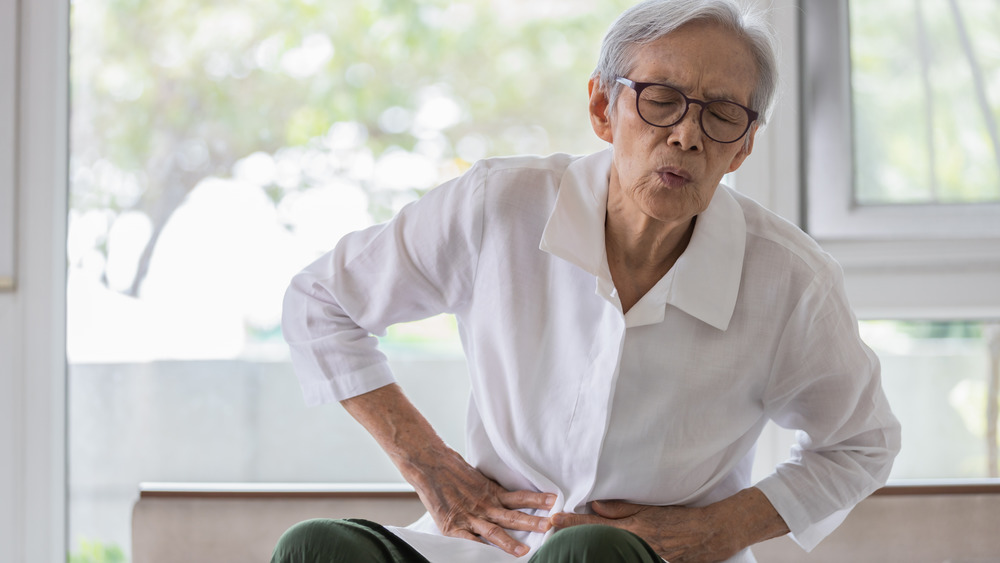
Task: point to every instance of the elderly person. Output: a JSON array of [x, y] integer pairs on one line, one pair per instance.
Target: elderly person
[[630, 326]]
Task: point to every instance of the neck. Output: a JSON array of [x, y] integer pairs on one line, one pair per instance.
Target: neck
[[641, 243], [639, 257], [646, 249]]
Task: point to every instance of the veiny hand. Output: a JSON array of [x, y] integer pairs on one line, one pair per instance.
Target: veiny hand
[[677, 534], [463, 502], [690, 535], [466, 504]]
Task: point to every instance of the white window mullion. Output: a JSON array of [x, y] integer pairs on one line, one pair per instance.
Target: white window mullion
[[11, 434], [35, 36], [8, 115]]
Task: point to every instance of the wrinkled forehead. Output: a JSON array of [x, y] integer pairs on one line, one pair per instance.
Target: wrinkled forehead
[[701, 58]]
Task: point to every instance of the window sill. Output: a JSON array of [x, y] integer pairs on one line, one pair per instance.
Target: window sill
[[902, 487], [276, 490], [927, 280]]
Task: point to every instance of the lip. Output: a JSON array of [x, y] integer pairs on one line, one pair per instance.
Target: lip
[[672, 176]]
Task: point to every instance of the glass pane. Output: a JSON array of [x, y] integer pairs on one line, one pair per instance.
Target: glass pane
[[217, 148], [941, 378], [925, 82]]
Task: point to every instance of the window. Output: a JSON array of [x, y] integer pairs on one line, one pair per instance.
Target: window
[[217, 148], [902, 107], [932, 137], [910, 250], [942, 381], [202, 130], [901, 102]]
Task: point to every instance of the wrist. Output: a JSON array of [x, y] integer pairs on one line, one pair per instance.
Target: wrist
[[425, 459], [749, 518]]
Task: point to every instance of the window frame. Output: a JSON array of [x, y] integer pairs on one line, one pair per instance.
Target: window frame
[[8, 114], [930, 262], [832, 213], [32, 317]]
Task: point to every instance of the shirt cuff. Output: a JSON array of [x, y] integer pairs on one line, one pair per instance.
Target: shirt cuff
[[348, 385], [806, 533]]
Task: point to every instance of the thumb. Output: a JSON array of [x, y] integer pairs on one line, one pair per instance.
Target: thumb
[[614, 508]]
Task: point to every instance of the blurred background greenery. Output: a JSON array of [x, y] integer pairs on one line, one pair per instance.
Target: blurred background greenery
[[168, 93]]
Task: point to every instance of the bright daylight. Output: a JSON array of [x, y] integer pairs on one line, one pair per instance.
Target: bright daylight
[[534, 351]]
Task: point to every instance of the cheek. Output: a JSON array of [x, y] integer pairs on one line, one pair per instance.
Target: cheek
[[651, 136], [633, 131], [644, 189]]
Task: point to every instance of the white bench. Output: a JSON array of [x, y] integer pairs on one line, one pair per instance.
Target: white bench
[[240, 523]]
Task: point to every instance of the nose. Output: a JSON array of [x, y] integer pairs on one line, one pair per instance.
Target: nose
[[687, 134]]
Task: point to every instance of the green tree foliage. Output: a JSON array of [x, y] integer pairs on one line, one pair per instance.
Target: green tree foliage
[[169, 92], [91, 551]]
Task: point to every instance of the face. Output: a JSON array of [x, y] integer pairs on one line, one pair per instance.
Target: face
[[669, 174]]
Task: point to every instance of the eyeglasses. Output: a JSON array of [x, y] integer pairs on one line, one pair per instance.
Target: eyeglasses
[[663, 106]]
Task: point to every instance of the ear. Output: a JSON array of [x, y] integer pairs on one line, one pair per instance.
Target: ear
[[599, 119], [745, 149]]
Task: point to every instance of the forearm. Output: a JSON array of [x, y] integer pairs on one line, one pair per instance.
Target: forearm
[[463, 502], [421, 456], [750, 517], [398, 427]]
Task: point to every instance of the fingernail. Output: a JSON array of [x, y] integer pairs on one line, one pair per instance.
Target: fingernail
[[520, 550], [550, 500]]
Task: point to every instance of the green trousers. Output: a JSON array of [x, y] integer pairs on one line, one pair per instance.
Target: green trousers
[[360, 541]]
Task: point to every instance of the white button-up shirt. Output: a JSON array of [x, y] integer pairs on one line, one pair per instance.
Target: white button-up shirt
[[661, 405]]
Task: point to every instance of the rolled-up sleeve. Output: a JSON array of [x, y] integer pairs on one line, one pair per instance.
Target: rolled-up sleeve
[[419, 264], [826, 385]]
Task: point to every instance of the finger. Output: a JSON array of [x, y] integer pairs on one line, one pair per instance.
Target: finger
[[498, 537], [615, 508], [517, 520], [527, 499], [466, 535], [567, 520]]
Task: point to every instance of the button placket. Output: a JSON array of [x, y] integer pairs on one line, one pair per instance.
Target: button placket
[[593, 410]]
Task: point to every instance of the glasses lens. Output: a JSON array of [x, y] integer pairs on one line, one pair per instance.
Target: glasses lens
[[661, 105], [724, 121]]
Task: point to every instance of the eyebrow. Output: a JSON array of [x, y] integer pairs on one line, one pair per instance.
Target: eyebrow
[[709, 96]]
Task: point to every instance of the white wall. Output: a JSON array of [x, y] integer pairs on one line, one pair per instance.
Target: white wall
[[32, 357]]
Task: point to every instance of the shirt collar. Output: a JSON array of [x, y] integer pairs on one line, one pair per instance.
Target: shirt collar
[[706, 278], [704, 282], [575, 229]]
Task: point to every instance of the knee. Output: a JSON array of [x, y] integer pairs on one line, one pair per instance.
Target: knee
[[594, 543], [307, 540], [591, 536]]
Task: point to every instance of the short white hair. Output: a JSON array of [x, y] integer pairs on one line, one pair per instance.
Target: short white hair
[[650, 20]]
